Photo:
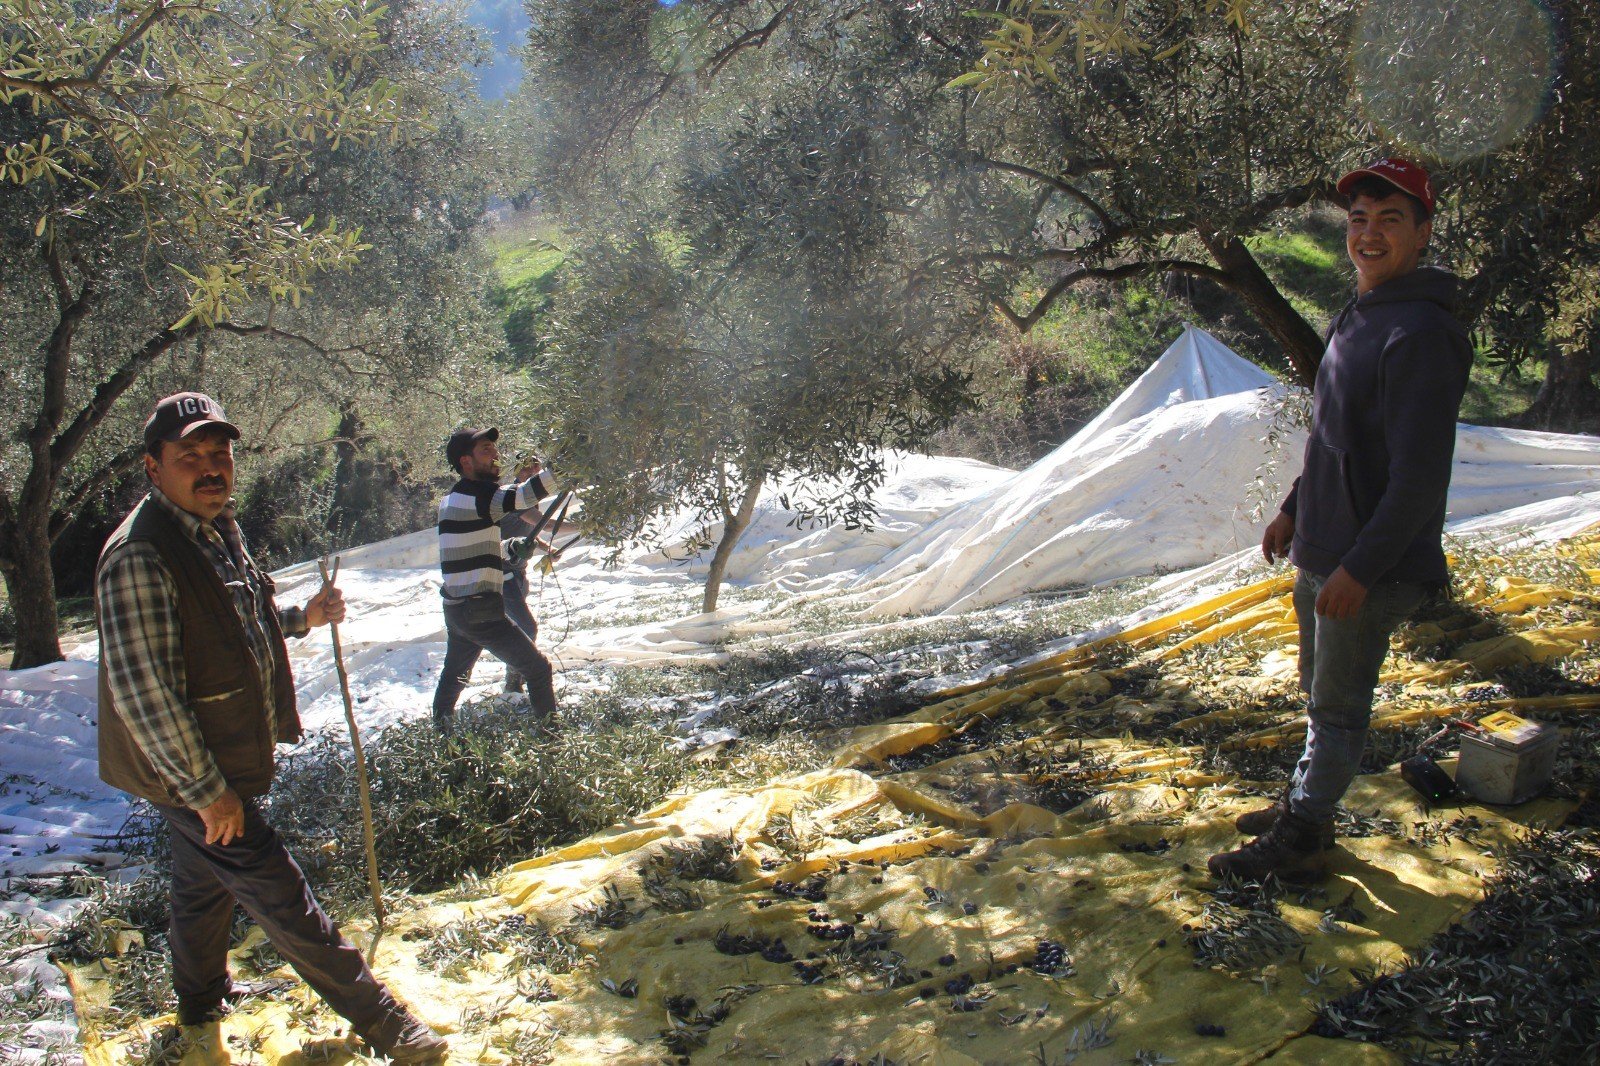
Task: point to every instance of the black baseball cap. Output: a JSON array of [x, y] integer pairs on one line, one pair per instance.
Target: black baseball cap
[[462, 441], [182, 413]]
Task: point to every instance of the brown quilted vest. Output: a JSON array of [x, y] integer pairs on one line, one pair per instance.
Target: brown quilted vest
[[223, 683]]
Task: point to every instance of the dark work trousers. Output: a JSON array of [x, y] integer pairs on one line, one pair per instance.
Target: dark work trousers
[[474, 625], [516, 598], [258, 873]]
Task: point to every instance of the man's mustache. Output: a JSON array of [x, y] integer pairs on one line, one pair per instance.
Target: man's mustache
[[210, 482]]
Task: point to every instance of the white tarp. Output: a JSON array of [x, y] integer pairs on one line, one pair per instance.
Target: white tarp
[[1175, 473], [1162, 479]]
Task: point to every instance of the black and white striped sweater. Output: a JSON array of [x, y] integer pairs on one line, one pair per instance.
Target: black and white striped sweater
[[471, 554]]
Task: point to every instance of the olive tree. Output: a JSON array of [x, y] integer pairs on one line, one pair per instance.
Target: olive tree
[[1173, 127], [185, 177], [768, 286]]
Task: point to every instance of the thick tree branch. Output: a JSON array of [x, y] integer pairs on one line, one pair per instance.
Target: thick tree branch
[[66, 445], [1296, 196], [58, 277], [115, 467], [137, 30], [1025, 323], [58, 363], [1061, 185], [723, 503]]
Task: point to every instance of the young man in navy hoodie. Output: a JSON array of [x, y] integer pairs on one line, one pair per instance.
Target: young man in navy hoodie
[[1363, 521]]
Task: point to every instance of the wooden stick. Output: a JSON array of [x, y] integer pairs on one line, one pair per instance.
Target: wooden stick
[[365, 789]]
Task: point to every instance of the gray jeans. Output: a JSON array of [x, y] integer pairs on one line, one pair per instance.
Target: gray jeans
[[1339, 664], [473, 626]]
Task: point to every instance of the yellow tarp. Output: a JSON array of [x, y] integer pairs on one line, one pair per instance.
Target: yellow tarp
[[941, 881]]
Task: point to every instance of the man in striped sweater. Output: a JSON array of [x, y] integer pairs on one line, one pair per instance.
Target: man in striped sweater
[[472, 558]]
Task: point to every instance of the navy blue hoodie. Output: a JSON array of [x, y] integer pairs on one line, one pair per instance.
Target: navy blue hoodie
[[1371, 494]]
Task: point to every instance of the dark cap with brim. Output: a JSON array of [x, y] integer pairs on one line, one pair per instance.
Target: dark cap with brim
[[462, 441], [183, 413]]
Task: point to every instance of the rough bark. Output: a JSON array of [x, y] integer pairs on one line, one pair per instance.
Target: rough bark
[[30, 524], [343, 516], [30, 584], [30, 579], [1301, 344], [734, 522], [1568, 401]]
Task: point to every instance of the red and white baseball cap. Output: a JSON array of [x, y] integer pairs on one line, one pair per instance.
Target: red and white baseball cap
[[1403, 174]]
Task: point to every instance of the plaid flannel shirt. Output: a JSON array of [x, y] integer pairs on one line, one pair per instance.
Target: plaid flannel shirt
[[141, 645]]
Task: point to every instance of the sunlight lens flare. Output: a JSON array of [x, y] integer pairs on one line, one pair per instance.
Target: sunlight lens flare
[[1453, 79]]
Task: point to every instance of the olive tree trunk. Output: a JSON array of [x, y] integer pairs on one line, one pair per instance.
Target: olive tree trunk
[[734, 522], [1568, 401], [1301, 344]]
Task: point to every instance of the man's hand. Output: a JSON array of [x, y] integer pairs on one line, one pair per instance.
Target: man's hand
[[1279, 535], [326, 606], [529, 469], [1342, 596], [224, 819]]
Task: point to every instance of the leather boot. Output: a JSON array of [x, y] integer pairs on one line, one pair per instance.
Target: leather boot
[[414, 1044], [1254, 823], [1293, 851]]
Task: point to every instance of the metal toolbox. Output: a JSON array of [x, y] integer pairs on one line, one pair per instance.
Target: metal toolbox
[[1508, 760]]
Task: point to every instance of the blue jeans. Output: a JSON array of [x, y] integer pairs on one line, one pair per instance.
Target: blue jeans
[[1339, 664]]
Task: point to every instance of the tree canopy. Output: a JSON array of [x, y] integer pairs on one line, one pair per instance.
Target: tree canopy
[[1256, 107], [759, 294], [180, 178]]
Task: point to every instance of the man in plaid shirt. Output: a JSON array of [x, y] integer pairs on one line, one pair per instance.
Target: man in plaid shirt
[[194, 692]]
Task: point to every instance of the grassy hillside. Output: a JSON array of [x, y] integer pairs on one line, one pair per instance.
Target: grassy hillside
[[527, 269]]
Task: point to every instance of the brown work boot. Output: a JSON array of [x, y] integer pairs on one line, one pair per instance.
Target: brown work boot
[[415, 1044], [1254, 823], [1293, 850]]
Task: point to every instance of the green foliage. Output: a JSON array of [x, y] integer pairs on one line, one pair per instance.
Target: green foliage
[[495, 792], [187, 214], [194, 115], [767, 286], [1030, 41], [1186, 109]]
